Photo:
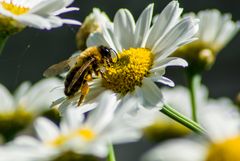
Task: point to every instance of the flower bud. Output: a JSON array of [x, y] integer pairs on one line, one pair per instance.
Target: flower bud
[[92, 23]]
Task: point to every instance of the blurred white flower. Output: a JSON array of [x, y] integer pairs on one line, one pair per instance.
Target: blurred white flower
[[81, 134], [18, 110], [33, 99], [163, 127], [41, 14], [142, 53], [215, 31], [222, 121]]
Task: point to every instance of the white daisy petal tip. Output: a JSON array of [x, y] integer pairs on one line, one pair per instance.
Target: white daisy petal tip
[[46, 130], [183, 63]]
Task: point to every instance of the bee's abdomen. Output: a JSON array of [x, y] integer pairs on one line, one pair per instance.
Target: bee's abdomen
[[71, 90]]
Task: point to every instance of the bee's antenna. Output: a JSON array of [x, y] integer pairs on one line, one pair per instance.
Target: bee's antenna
[[114, 53]]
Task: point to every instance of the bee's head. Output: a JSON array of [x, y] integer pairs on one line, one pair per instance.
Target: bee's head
[[107, 52]]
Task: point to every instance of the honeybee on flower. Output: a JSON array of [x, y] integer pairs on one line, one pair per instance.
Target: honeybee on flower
[[142, 54]]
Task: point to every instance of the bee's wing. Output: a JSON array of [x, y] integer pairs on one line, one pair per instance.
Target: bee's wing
[[60, 67], [80, 72]]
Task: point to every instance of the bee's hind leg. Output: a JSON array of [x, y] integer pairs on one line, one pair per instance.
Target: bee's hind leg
[[84, 92]]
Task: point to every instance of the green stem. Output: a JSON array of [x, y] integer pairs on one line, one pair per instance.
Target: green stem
[[3, 41], [169, 111], [194, 81], [111, 154]]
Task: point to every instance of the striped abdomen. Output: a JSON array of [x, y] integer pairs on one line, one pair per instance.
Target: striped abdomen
[[70, 87]]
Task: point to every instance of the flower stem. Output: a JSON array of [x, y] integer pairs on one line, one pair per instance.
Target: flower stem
[[194, 81], [111, 154], [3, 41], [169, 111]]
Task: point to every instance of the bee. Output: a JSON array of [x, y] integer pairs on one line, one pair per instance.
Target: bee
[[81, 68]]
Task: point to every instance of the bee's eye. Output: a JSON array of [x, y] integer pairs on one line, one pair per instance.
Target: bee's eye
[[105, 51]]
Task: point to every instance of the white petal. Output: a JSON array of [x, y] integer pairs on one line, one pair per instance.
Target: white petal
[[111, 39], [164, 80], [22, 90], [124, 135], [210, 23], [46, 129], [143, 25], [165, 21], [46, 7], [106, 108], [72, 119], [124, 27], [168, 51], [96, 39], [71, 22], [64, 10], [170, 61], [186, 29], [34, 21], [227, 31], [7, 102], [149, 95], [220, 123], [39, 97], [141, 118], [176, 150], [26, 141]]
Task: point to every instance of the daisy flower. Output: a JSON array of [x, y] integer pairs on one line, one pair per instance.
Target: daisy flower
[[17, 111], [94, 22], [142, 53], [77, 134], [41, 14], [221, 143], [215, 31]]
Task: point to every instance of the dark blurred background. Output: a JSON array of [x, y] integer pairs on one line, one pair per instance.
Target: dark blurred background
[[30, 52]]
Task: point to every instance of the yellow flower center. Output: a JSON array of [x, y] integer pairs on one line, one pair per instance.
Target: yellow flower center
[[59, 141], [128, 71], [86, 133], [15, 9], [228, 150], [83, 133]]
